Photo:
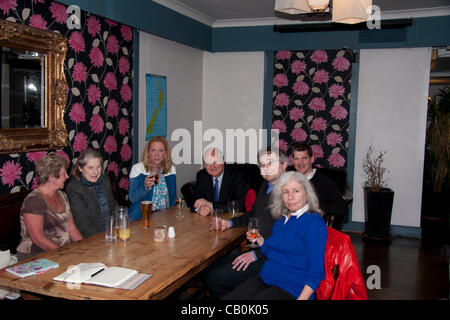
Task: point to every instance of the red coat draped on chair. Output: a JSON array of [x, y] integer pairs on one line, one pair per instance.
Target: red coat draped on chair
[[343, 278]]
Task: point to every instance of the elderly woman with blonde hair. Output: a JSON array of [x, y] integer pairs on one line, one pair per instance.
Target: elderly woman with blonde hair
[[45, 217], [295, 251]]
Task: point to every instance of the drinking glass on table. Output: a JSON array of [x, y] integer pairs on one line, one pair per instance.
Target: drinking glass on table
[[216, 216], [146, 212], [117, 213], [110, 228], [180, 205], [124, 227], [253, 228], [233, 207]]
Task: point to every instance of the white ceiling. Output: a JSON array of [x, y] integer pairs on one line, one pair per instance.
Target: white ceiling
[[251, 12]]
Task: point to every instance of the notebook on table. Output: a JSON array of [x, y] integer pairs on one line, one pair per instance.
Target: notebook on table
[[101, 275], [32, 268]]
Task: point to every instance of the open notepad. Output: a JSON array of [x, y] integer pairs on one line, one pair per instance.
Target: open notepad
[[101, 275]]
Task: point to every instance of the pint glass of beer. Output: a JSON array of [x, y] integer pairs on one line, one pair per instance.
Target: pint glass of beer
[[146, 211]]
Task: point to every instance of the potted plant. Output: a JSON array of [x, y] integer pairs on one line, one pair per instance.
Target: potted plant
[[378, 199], [436, 172]]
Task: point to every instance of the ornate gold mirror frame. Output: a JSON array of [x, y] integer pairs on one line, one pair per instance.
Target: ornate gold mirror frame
[[54, 47]]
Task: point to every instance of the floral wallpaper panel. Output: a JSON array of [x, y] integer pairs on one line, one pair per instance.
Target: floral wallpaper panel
[[98, 69], [311, 101]]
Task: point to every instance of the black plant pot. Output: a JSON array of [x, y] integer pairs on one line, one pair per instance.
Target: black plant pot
[[378, 211], [435, 216]]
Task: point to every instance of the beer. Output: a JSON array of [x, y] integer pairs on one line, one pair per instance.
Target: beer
[[146, 211], [124, 234]]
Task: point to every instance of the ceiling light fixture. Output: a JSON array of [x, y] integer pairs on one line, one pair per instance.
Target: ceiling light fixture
[[343, 11]]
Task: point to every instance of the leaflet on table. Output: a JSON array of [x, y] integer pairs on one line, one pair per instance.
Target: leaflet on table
[[32, 268]]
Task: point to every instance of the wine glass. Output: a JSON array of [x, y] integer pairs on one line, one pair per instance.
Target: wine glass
[[154, 173], [180, 205], [253, 228]]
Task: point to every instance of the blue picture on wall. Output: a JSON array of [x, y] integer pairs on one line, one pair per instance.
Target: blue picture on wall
[[156, 106]]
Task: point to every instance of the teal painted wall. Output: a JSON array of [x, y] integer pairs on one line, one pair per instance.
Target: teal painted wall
[[150, 17], [423, 32], [153, 18]]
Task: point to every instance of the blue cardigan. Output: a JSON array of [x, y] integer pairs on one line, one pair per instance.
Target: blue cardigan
[[295, 253], [139, 193]]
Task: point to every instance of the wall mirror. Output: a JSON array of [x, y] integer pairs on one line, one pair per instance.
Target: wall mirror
[[33, 95]]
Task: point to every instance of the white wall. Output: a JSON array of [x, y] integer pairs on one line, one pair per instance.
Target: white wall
[[233, 91], [391, 115], [204, 91], [183, 67]]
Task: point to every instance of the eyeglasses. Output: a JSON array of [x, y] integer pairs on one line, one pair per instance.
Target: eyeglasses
[[267, 164]]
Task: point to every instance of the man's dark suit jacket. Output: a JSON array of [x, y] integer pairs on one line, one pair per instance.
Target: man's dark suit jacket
[[260, 210], [330, 198], [233, 187]]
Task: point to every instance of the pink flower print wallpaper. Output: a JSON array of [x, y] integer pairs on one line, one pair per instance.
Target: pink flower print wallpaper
[[98, 69], [311, 102]]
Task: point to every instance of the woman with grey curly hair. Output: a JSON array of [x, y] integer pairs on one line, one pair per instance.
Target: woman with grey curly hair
[[278, 207], [295, 251]]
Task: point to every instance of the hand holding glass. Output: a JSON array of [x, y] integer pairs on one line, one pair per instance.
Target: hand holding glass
[[253, 231], [154, 173]]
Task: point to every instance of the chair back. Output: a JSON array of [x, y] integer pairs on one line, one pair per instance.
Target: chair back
[[10, 205], [250, 198]]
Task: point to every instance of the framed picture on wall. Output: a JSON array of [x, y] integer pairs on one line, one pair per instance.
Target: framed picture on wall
[[156, 106]]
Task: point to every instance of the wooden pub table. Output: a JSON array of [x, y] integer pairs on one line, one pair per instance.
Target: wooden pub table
[[171, 262]]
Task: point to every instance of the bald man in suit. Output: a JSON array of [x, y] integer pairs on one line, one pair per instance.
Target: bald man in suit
[[218, 183]]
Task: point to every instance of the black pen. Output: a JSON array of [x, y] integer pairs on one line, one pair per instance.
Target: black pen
[[97, 272]]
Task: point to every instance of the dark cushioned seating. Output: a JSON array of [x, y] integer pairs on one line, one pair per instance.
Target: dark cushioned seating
[[10, 205]]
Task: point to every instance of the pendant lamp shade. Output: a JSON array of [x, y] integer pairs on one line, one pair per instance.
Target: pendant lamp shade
[[318, 5], [292, 6], [300, 6], [343, 11], [351, 11]]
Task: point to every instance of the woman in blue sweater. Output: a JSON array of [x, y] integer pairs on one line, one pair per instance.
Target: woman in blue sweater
[[295, 251], [157, 158]]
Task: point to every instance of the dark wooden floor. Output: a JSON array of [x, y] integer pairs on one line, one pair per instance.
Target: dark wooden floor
[[410, 269]]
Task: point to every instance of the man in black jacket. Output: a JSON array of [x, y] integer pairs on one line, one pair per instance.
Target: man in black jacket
[[217, 183], [236, 267], [330, 198]]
